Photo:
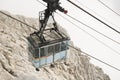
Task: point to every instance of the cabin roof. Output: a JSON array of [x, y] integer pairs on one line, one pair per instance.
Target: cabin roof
[[51, 38]]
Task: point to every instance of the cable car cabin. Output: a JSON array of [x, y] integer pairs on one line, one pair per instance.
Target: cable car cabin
[[48, 44], [48, 52]]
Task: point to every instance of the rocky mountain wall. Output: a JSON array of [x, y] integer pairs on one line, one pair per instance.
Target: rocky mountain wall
[[15, 60]]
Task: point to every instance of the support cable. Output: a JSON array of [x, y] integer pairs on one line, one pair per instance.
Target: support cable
[[94, 29], [71, 46], [91, 35], [97, 14], [108, 7], [88, 33], [94, 17], [93, 57], [88, 27], [17, 20], [41, 3]]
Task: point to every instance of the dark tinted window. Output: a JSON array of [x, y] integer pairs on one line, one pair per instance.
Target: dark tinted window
[[63, 46], [42, 53], [57, 48], [50, 50], [36, 54]]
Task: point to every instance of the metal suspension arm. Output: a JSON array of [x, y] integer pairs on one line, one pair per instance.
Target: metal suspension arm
[[56, 28]]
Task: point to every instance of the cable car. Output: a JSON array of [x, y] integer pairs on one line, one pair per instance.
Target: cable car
[[44, 48], [48, 44], [48, 53]]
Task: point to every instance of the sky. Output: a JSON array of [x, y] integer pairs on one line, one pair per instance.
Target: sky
[[30, 8]]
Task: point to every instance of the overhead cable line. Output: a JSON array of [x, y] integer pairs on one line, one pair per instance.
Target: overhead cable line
[[92, 56], [97, 13], [91, 35], [94, 17], [94, 29], [88, 27], [70, 46], [40, 2], [17, 20], [96, 58], [88, 33], [108, 7]]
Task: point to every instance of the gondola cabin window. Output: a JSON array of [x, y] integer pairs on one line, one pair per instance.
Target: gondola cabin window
[[36, 53], [50, 50], [42, 52], [63, 46], [49, 53], [57, 48]]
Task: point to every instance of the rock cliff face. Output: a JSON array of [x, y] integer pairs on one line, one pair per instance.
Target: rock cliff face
[[15, 62]]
